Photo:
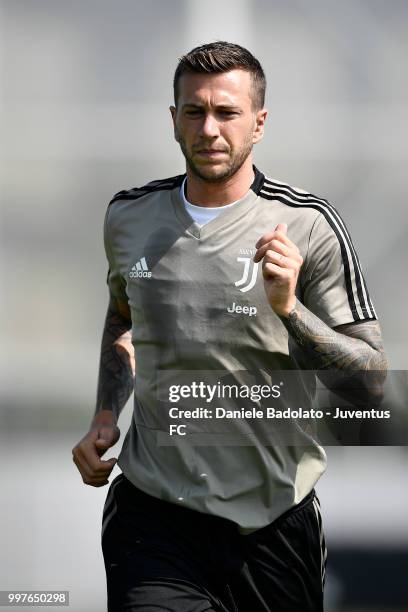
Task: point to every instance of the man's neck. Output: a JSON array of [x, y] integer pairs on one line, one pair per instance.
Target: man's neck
[[205, 193]]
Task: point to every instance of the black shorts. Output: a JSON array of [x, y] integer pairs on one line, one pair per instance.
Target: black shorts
[[161, 556]]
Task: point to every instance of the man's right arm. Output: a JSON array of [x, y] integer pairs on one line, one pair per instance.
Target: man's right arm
[[115, 385], [117, 363]]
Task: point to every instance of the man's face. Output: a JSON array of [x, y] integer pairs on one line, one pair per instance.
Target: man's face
[[215, 124]]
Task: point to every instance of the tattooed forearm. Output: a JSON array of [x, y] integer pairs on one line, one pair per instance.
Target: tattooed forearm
[[351, 352], [117, 365], [330, 349]]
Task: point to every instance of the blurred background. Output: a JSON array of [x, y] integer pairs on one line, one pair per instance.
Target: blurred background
[[85, 90]]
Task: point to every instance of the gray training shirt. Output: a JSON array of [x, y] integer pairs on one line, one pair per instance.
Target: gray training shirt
[[200, 314]]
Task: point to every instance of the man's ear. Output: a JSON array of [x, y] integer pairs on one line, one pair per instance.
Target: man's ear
[[259, 128], [173, 112]]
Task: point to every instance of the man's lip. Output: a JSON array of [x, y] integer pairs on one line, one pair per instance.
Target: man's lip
[[210, 151]]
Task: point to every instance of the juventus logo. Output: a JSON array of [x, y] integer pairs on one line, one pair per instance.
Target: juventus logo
[[248, 266]]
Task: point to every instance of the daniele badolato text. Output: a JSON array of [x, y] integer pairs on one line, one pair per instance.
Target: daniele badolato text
[[273, 413]]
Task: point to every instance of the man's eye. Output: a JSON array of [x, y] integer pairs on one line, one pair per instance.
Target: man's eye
[[193, 113]]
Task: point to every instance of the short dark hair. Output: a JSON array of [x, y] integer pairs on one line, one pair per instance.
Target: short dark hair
[[219, 57]]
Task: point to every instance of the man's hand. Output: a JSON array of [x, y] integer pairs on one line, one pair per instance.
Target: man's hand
[[103, 434], [281, 263]]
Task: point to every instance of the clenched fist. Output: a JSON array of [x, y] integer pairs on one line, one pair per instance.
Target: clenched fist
[[281, 263], [86, 455]]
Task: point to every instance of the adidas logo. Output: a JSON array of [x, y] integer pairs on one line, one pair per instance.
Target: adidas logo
[[140, 269]]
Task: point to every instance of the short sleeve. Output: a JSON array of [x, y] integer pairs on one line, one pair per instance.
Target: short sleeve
[[115, 281], [332, 282]]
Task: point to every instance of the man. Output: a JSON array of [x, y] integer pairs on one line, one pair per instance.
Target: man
[[221, 269]]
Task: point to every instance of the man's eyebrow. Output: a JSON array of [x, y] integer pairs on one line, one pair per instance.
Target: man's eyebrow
[[225, 106], [194, 105], [231, 107]]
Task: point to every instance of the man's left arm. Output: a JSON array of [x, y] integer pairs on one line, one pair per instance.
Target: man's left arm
[[349, 347], [337, 353], [349, 359]]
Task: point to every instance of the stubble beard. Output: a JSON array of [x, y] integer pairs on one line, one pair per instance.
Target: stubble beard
[[235, 162]]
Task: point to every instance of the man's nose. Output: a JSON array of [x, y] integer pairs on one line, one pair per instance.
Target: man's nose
[[209, 127]]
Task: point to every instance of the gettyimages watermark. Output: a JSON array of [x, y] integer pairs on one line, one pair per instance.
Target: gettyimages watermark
[[295, 407]]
